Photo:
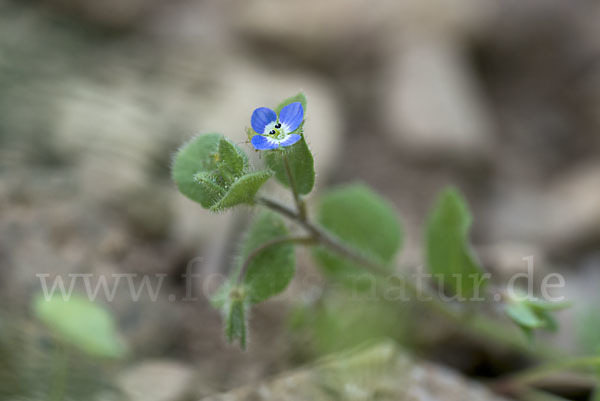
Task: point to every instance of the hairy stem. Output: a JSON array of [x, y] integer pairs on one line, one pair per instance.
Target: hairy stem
[[323, 237], [478, 326]]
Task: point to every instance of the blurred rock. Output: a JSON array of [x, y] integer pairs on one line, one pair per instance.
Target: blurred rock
[[504, 260], [320, 29], [380, 372], [462, 18], [342, 28], [563, 217], [517, 213], [434, 105], [157, 380], [573, 220]]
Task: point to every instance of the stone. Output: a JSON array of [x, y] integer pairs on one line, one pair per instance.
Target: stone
[[433, 104], [327, 28], [505, 259], [573, 218], [517, 214], [380, 371], [157, 380]]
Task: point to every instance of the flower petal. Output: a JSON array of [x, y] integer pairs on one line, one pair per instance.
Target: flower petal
[[291, 117], [264, 143], [290, 140], [262, 117]]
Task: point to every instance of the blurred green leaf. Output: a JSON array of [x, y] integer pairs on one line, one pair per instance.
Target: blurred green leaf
[[33, 366], [271, 270], [589, 330], [524, 316], [299, 157], [541, 304], [338, 323], [81, 323], [215, 173], [531, 314], [447, 248], [362, 220]]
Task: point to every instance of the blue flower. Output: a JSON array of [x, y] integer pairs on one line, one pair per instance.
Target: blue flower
[[276, 132]]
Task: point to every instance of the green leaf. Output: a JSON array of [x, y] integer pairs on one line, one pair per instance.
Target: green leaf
[[362, 220], [215, 173], [197, 156], [236, 321], [233, 162], [588, 329], [272, 269], [337, 323], [528, 315], [82, 323], [211, 189], [300, 159], [243, 190], [541, 304], [549, 322], [447, 247], [524, 316], [301, 162]]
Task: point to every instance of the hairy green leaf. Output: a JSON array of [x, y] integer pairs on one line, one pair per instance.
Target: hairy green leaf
[[242, 190], [215, 173], [447, 248], [362, 220], [299, 157], [272, 268], [232, 161], [196, 156], [211, 188], [81, 323]]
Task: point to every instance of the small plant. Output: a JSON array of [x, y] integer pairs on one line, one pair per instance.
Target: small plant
[[354, 234]]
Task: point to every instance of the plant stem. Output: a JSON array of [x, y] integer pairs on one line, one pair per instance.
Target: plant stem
[[297, 198], [277, 241], [323, 237], [478, 326], [536, 373], [534, 395]]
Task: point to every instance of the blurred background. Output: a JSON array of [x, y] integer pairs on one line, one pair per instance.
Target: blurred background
[[500, 98]]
